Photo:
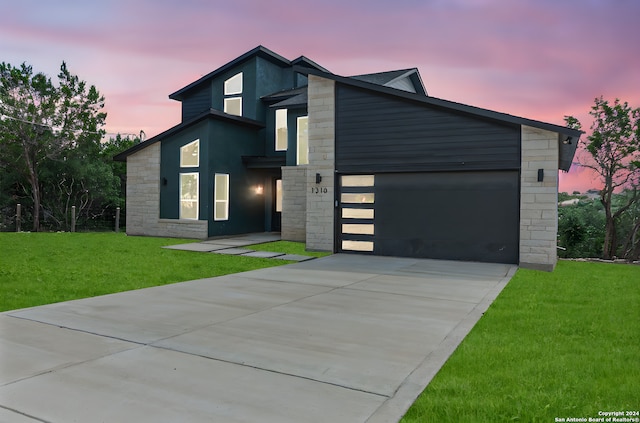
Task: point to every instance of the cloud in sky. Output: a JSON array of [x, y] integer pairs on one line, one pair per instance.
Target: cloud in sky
[[541, 59]]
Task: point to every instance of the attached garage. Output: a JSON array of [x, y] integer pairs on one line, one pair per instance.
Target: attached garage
[[472, 216], [399, 174], [445, 183]]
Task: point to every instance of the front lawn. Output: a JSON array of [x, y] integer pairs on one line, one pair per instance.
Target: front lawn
[[553, 345], [43, 268]]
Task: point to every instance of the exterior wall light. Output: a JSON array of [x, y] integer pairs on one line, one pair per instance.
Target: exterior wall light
[[259, 190], [318, 178]]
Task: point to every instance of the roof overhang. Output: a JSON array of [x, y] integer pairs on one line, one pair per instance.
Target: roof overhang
[[263, 162], [567, 137], [259, 51], [209, 114]]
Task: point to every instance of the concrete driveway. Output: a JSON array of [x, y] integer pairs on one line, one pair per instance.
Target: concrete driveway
[[345, 338]]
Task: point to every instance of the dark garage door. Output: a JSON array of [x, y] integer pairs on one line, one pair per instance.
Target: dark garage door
[[470, 216]]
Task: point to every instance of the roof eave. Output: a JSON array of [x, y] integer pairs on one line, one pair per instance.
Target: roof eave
[[566, 148], [258, 51], [211, 113]]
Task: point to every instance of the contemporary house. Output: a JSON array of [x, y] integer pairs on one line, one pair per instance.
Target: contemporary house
[[368, 164]]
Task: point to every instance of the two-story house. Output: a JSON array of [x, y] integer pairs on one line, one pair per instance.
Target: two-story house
[[368, 164]]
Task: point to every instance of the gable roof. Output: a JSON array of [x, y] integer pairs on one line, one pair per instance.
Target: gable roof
[[305, 61], [209, 114], [390, 78], [568, 138], [259, 51]]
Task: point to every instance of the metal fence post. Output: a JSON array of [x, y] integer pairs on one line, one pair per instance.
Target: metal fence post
[[117, 219], [18, 217], [73, 218]]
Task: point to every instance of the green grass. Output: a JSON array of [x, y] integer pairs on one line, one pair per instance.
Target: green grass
[[562, 344], [287, 247], [43, 268]]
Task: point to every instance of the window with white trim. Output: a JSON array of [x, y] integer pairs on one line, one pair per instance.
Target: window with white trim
[[279, 195], [233, 85], [233, 95], [190, 154], [221, 197], [189, 196], [281, 130], [302, 136]]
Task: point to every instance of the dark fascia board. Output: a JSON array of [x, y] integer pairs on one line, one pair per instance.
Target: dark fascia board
[[568, 138], [299, 100], [284, 94], [263, 162], [258, 51], [209, 114], [305, 61]]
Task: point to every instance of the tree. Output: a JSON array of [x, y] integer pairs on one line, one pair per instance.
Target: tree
[[614, 154], [42, 122], [111, 148]]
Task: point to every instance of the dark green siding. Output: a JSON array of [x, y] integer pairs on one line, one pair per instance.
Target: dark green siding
[[170, 168], [222, 144], [248, 70], [246, 209], [381, 133], [270, 78], [196, 103]]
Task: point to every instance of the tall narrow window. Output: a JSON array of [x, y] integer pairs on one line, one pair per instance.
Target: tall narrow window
[[189, 196], [221, 197], [281, 129], [302, 155], [233, 95], [279, 195], [190, 154]]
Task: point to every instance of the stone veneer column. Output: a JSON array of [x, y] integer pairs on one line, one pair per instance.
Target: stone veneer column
[[539, 200], [143, 200], [294, 203], [143, 189], [321, 196]]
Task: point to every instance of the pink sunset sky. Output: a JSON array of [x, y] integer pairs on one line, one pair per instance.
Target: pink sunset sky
[[539, 59]]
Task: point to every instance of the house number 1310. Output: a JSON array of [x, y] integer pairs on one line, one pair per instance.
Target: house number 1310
[[319, 190]]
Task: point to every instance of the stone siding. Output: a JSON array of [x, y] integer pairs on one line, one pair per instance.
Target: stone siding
[[539, 200], [143, 200], [321, 196], [294, 203]]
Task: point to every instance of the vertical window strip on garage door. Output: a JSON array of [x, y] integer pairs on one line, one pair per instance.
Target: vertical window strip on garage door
[[357, 212]]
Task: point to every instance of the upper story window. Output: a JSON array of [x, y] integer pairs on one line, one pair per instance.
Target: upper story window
[[190, 154], [233, 85], [233, 95], [281, 130]]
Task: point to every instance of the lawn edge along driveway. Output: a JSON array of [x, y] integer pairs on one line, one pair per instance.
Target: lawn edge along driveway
[[342, 338]]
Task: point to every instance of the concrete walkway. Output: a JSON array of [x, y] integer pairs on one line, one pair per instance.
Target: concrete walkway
[[240, 246], [344, 338]]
